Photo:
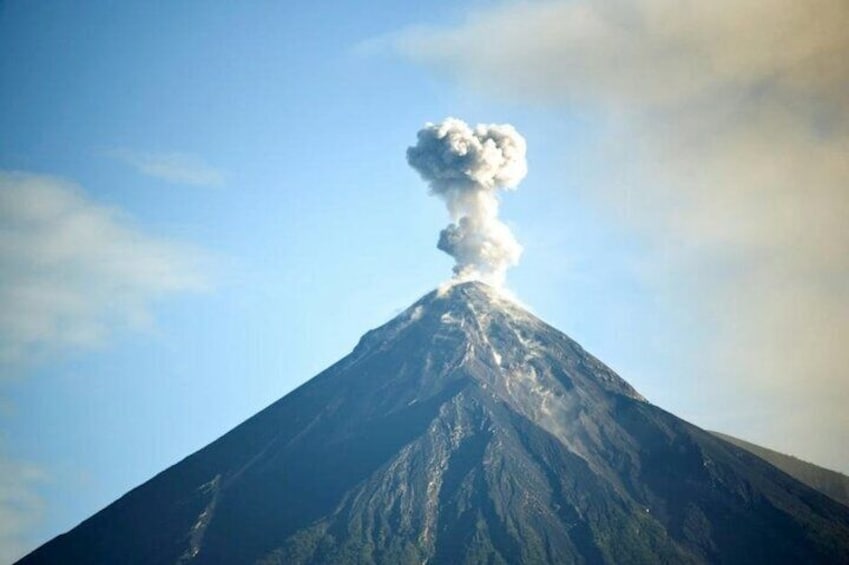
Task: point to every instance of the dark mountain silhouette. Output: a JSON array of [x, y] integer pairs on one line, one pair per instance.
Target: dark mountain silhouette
[[465, 430], [832, 483]]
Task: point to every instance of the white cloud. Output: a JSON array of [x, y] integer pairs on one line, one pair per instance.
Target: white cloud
[[645, 53], [73, 271], [177, 168], [21, 507], [726, 142]]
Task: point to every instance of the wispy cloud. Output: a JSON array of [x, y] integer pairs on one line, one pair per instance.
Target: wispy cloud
[[73, 271], [21, 507], [728, 124], [177, 168]]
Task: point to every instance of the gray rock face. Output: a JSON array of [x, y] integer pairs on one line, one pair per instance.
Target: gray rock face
[[465, 430]]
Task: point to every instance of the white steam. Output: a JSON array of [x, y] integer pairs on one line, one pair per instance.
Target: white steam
[[466, 168]]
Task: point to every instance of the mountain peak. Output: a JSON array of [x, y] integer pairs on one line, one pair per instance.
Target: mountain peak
[[472, 331], [464, 430], [469, 290], [475, 295]]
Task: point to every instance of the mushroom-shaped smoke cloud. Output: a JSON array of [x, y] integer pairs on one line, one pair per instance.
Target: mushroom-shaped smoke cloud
[[466, 168]]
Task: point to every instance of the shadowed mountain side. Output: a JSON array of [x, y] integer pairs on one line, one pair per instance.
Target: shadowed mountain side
[[831, 483], [465, 430]]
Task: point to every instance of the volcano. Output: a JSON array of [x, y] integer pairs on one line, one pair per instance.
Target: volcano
[[465, 430]]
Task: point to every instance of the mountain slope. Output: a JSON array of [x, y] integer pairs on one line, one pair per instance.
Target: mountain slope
[[831, 483], [465, 430]]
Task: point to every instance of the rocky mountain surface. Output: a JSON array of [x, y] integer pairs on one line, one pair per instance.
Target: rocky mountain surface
[[465, 430], [832, 483]]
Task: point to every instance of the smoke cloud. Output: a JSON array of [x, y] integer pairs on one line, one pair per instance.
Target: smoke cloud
[[467, 168], [719, 140]]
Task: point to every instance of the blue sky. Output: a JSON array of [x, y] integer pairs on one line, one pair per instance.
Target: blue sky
[[205, 204]]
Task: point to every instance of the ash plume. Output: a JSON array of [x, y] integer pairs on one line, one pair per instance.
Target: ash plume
[[467, 167]]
